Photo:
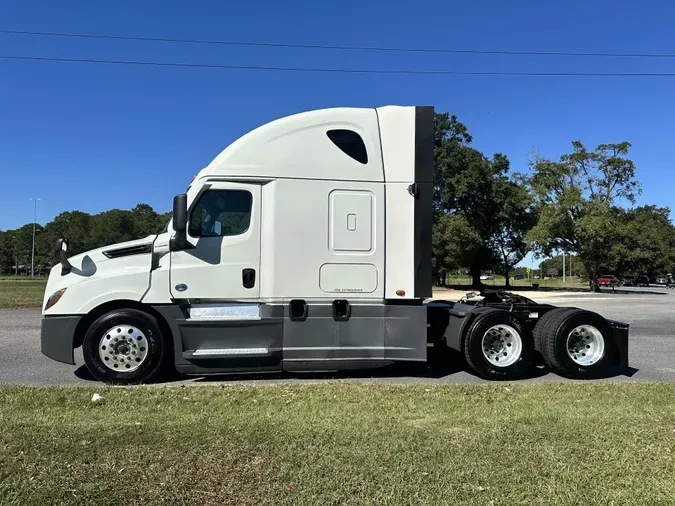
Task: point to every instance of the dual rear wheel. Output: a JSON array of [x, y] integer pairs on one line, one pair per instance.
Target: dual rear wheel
[[575, 343], [572, 342]]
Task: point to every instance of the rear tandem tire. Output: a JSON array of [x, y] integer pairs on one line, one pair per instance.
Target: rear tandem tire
[[542, 325], [131, 340], [575, 343], [518, 339]]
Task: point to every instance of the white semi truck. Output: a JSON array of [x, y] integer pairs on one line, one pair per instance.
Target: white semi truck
[[304, 246]]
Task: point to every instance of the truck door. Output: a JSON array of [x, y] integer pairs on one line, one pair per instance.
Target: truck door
[[224, 227]]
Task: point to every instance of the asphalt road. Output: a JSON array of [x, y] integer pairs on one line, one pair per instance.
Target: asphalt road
[[651, 350]]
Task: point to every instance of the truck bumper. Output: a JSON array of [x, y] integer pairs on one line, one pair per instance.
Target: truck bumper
[[57, 336], [620, 331]]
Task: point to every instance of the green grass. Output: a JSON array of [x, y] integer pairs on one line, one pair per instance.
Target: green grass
[[339, 443], [21, 292]]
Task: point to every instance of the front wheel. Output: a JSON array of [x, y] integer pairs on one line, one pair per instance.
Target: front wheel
[[497, 346], [124, 346]]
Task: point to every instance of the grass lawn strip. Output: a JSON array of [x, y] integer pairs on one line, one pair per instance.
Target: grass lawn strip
[[21, 293], [339, 443]]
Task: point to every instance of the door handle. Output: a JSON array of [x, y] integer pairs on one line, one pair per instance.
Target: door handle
[[248, 278]]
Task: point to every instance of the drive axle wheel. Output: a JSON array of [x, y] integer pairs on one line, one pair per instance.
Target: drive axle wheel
[[585, 345], [576, 343], [497, 346], [124, 347], [502, 345]]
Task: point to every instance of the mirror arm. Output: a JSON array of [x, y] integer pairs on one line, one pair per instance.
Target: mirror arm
[[179, 244], [65, 264]]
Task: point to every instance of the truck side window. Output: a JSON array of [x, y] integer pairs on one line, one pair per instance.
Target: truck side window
[[220, 213]]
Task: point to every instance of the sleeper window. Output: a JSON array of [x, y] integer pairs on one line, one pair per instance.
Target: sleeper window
[[220, 213], [350, 143]]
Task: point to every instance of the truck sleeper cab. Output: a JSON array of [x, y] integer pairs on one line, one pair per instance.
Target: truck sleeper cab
[[305, 245]]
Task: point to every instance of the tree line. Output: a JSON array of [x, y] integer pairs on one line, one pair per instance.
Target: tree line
[[486, 216], [84, 232]]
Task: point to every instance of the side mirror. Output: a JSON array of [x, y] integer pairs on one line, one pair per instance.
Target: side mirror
[[61, 247], [179, 240]]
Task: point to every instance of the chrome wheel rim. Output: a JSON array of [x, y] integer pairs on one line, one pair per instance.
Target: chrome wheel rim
[[502, 345], [585, 345], [123, 348]]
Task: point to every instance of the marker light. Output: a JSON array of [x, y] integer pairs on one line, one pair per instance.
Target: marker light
[[56, 296]]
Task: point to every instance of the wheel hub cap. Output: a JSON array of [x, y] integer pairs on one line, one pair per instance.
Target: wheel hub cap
[[123, 348], [502, 345], [585, 345]]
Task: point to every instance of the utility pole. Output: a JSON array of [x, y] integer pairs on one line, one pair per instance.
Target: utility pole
[[563, 267], [32, 257]]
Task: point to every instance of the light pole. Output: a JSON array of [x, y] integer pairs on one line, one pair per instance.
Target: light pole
[[32, 256]]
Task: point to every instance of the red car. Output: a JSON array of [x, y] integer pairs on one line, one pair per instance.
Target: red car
[[608, 280]]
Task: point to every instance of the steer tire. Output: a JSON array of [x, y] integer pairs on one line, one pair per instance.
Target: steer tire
[[474, 351], [114, 324], [553, 335]]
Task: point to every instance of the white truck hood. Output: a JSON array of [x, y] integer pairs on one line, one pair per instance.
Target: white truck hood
[[82, 262], [118, 271]]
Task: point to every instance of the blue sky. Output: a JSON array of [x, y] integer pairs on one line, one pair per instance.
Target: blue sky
[[94, 137]]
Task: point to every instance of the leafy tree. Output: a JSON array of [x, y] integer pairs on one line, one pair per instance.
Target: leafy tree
[[76, 226], [467, 184], [145, 221], [83, 231], [576, 199], [111, 227], [454, 244], [7, 256], [515, 219], [647, 244], [448, 133], [520, 271], [22, 245]]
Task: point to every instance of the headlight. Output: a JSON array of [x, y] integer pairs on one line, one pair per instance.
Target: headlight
[[56, 296]]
